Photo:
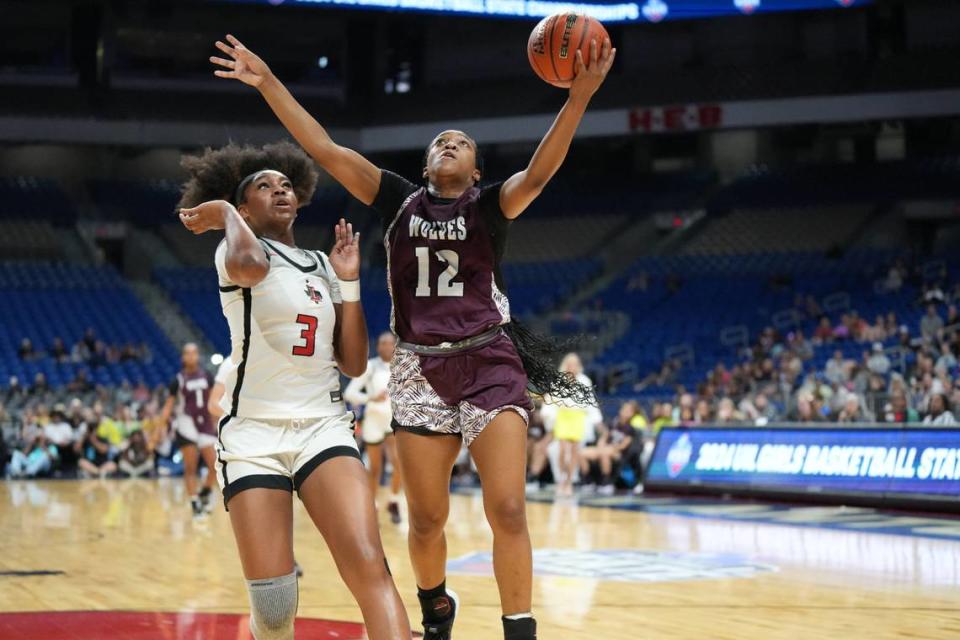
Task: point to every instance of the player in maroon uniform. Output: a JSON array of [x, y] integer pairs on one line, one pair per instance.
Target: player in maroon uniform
[[195, 430], [460, 369]]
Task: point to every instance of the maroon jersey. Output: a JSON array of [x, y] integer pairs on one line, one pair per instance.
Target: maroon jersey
[[443, 261], [192, 391]]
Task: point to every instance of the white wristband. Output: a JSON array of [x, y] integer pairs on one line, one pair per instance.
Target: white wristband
[[350, 290]]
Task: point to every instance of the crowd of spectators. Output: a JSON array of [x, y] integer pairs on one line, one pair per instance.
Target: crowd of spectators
[[903, 374], [109, 432], [88, 350]]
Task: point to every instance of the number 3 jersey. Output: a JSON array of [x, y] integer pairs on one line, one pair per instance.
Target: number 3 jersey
[[443, 261], [281, 331]]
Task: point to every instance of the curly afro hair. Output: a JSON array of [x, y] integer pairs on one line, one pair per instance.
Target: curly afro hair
[[216, 173]]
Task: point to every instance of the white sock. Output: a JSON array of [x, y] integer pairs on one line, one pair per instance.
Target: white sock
[[519, 616]]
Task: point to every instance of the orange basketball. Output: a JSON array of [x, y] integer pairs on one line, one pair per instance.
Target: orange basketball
[[554, 41]]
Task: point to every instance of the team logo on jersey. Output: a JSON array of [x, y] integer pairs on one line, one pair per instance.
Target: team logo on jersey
[[313, 294], [622, 565], [655, 10], [678, 457], [747, 6]]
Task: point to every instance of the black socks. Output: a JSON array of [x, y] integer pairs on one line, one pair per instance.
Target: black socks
[[521, 629], [435, 604]]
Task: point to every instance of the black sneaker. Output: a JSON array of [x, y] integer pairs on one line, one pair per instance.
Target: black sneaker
[[522, 629], [446, 607], [393, 508], [206, 503], [196, 505]]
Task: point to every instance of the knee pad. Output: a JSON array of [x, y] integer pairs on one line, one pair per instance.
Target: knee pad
[[273, 606]]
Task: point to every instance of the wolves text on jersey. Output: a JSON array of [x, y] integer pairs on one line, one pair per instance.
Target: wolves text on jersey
[[455, 229]]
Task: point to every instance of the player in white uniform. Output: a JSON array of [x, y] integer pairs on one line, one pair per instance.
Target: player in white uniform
[[295, 319], [370, 392]]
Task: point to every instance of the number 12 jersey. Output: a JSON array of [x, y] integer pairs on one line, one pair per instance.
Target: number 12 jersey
[[443, 261]]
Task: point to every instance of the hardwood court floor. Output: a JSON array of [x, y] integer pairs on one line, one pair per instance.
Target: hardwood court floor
[[672, 570]]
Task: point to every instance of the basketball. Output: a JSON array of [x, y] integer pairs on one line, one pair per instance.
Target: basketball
[[553, 43]]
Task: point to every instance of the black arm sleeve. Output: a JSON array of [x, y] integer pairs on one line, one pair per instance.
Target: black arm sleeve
[[174, 386], [393, 191], [497, 225]]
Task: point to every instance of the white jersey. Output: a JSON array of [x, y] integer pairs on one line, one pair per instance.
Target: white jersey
[[281, 330], [371, 384]]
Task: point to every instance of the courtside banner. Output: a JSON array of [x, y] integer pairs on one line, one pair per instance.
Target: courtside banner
[[891, 462]]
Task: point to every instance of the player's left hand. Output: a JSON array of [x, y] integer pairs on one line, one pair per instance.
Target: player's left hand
[[589, 76], [345, 255]]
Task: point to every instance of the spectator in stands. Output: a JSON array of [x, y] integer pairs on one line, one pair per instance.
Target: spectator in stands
[[727, 412], [765, 411], [15, 393], [931, 324], [40, 387], [933, 294], [876, 332], [857, 325], [58, 350], [895, 277], [854, 410], [824, 332], [89, 339], [611, 447], [703, 415], [806, 409], [947, 361], [141, 393], [837, 369], [124, 393], [98, 355], [939, 413], [60, 436], [34, 458], [842, 330], [136, 461], [80, 383], [129, 353], [897, 410], [878, 362], [26, 351], [93, 452], [813, 307], [952, 323]]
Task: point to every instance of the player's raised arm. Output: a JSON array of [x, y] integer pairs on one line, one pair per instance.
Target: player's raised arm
[[350, 341], [245, 261], [522, 188], [357, 174]]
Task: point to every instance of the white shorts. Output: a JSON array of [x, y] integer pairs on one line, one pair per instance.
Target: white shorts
[[189, 434], [279, 454], [375, 429]]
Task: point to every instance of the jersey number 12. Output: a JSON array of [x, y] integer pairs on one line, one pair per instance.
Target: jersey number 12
[[446, 288]]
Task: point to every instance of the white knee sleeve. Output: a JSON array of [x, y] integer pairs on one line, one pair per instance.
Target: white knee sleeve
[[273, 606]]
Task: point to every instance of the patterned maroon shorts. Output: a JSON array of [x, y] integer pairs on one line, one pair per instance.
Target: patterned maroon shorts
[[458, 393]]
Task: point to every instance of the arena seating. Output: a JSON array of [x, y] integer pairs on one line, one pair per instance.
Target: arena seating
[[44, 301], [35, 198], [29, 240], [775, 230], [664, 297]]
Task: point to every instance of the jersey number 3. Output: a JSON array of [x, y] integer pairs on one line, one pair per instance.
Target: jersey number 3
[[309, 336], [446, 288]]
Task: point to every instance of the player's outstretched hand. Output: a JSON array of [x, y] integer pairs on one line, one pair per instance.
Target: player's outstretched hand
[[243, 65], [345, 255], [589, 76], [205, 217]]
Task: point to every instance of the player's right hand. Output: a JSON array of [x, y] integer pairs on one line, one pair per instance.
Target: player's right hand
[[206, 216], [244, 65]]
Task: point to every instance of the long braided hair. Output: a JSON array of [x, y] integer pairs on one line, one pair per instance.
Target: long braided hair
[[540, 355]]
